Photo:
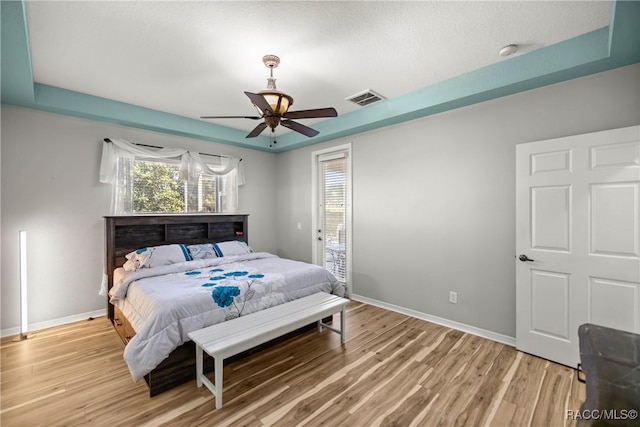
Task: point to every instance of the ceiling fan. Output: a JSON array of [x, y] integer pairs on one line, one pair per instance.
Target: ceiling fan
[[273, 107]]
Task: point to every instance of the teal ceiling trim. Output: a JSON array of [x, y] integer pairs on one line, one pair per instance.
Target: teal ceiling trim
[[624, 39], [62, 101], [15, 69], [538, 68], [607, 48]]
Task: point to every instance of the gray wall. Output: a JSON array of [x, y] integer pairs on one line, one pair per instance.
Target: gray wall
[[434, 199], [50, 188]]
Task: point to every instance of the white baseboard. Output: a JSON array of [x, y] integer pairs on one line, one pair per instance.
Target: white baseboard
[[494, 336], [54, 322]]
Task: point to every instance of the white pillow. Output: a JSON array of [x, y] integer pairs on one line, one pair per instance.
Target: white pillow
[[205, 251], [155, 256], [233, 247]]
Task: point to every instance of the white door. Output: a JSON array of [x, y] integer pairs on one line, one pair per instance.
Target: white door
[[577, 239], [332, 220]]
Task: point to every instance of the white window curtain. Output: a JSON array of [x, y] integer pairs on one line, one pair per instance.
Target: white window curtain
[[118, 156]]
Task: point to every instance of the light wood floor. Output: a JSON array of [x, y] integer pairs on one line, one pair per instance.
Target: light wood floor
[[394, 371]]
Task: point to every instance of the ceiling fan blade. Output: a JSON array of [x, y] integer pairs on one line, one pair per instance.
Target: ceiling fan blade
[[257, 130], [231, 117], [259, 101], [305, 130], [311, 114]]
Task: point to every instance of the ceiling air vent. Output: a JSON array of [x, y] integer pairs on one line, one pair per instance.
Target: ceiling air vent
[[365, 98]]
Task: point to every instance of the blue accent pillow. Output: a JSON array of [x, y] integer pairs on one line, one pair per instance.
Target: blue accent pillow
[[233, 247]]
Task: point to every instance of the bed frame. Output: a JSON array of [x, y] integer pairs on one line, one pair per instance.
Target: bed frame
[[125, 234]]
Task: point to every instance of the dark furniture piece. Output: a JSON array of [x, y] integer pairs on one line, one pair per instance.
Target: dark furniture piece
[[610, 360], [125, 234]]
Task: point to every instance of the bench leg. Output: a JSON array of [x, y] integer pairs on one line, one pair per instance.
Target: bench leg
[[343, 315], [201, 379], [199, 370], [341, 331], [218, 367]]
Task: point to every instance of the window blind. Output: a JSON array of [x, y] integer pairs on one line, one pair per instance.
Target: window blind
[[333, 193]]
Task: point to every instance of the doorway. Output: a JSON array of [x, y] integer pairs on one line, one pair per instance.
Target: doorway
[[577, 239], [332, 236]]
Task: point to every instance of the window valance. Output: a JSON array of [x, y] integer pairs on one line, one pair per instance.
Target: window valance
[[191, 163]]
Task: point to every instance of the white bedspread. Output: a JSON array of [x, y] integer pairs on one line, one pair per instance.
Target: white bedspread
[[164, 304]]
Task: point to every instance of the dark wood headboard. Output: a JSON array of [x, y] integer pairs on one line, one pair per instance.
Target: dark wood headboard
[[124, 234]]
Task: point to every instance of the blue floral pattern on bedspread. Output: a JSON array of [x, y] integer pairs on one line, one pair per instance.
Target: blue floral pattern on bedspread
[[231, 289], [224, 295]]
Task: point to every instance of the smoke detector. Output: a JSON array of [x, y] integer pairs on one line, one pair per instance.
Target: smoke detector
[[508, 50]]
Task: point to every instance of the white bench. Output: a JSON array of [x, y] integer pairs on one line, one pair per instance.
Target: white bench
[[234, 336]]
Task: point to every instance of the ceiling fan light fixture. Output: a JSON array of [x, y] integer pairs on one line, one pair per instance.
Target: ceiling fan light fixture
[[279, 102]]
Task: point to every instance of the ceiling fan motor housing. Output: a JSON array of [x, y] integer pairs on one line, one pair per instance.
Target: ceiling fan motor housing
[[272, 121]]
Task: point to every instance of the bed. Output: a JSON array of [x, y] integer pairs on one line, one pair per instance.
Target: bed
[[203, 272]]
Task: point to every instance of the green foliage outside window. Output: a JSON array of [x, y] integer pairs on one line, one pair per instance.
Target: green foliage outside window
[[157, 188]]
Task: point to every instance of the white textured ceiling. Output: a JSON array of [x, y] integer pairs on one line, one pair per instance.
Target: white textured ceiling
[[196, 58]]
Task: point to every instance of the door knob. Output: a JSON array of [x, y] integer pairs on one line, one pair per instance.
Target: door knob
[[524, 258]]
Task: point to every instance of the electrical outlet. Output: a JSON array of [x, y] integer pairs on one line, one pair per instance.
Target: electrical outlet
[[453, 297]]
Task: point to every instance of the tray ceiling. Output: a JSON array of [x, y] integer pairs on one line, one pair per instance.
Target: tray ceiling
[[162, 64]]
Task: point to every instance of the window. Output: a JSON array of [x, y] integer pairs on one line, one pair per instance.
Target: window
[[168, 180], [332, 201], [156, 187]]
